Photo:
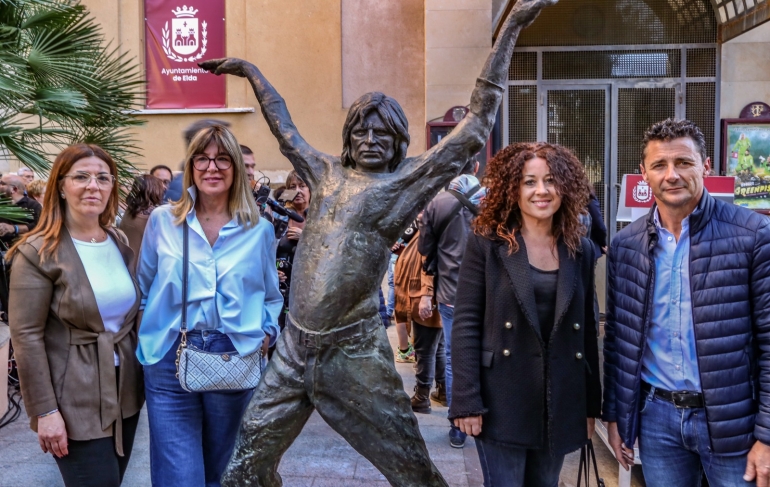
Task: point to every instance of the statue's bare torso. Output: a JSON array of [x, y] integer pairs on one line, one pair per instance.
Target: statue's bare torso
[[343, 254]]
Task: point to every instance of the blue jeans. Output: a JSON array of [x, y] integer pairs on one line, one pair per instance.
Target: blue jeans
[[506, 466], [674, 446], [390, 304], [192, 434], [447, 317]]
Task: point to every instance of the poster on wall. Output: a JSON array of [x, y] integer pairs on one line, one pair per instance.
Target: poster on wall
[[178, 36], [746, 147]]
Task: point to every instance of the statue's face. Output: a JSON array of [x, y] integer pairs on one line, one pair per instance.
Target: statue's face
[[372, 144]]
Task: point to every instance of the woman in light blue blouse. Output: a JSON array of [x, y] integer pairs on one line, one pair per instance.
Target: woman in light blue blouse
[[233, 304]]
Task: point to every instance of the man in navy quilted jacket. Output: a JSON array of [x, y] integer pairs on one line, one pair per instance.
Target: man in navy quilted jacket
[[687, 344]]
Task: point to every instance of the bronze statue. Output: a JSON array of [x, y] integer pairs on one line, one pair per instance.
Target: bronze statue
[[334, 355]]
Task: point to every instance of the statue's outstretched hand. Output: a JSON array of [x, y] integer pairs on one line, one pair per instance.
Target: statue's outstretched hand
[[230, 65], [525, 11]]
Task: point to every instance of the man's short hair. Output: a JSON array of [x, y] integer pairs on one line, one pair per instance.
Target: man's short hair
[[161, 166], [671, 129], [23, 170], [246, 151], [195, 127], [392, 116], [16, 182]]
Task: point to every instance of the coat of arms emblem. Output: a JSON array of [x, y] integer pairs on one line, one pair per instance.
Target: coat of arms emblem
[[642, 193], [185, 38]]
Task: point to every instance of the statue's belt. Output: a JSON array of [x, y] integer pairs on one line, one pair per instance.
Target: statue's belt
[[315, 339]]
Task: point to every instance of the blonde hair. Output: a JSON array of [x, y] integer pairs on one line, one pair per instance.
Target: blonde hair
[[36, 188], [241, 203]]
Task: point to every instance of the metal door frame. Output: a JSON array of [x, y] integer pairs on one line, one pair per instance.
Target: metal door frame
[[609, 124], [680, 110]]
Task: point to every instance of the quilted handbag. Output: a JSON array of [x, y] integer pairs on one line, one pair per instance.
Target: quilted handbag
[[200, 371]]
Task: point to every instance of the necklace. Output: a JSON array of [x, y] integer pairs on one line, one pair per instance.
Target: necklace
[[104, 235]]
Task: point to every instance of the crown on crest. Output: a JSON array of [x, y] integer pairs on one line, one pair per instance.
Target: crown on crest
[[185, 11]]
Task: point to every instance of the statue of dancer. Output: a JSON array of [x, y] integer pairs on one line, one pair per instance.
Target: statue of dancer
[[334, 355]]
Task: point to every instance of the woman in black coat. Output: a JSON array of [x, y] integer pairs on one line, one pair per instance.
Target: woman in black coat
[[524, 341]]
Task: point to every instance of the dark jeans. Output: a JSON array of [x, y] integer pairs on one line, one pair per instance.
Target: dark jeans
[[430, 354], [349, 377], [94, 463], [674, 445], [506, 466], [191, 433]]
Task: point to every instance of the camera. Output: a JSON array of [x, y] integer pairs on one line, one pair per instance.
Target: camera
[[284, 265]]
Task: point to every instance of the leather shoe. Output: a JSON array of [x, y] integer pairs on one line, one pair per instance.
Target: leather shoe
[[439, 395], [421, 400]]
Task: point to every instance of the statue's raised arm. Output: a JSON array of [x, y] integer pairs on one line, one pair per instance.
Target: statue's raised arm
[[308, 162], [443, 161]]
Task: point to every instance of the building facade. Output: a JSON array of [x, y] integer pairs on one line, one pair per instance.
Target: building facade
[[593, 61]]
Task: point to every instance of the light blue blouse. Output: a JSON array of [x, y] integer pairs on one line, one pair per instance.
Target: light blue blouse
[[232, 286]]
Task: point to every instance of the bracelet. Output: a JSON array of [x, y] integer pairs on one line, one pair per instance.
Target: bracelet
[[16, 229], [48, 413]]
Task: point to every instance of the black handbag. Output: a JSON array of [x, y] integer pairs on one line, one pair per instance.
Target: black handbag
[[588, 457]]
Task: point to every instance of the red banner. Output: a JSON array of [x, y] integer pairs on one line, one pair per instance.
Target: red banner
[[639, 194], [178, 35]]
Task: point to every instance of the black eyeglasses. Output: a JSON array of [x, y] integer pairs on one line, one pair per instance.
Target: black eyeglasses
[[201, 162]]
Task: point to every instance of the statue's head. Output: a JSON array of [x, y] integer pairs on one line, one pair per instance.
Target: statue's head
[[375, 135]]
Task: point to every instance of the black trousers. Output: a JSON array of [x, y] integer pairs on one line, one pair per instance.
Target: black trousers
[[94, 463], [429, 354]]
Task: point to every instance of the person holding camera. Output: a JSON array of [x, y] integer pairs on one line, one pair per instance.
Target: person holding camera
[[287, 245]]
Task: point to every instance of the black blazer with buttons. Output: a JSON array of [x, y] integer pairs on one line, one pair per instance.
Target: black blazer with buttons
[[501, 366]]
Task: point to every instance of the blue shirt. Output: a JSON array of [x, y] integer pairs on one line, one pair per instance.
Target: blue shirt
[[670, 360], [232, 286]]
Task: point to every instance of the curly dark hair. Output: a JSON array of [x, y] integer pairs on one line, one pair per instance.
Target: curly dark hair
[[146, 192], [671, 129], [500, 215]]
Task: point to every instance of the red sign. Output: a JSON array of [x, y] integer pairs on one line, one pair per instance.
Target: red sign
[[639, 194], [178, 35]]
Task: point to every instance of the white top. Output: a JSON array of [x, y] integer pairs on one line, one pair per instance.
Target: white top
[[112, 285]]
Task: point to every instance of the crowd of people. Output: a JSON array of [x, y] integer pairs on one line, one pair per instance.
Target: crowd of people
[[492, 291]]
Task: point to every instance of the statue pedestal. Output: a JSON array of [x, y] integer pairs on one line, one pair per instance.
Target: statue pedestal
[[5, 342]]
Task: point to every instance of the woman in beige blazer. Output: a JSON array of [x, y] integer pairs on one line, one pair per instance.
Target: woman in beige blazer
[[72, 312]]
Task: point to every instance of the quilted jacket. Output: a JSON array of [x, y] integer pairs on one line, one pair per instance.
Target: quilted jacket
[[730, 290]]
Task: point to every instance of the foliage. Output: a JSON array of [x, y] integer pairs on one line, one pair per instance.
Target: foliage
[[60, 84]]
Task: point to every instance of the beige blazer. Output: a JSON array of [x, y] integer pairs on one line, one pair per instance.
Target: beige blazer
[[64, 355]]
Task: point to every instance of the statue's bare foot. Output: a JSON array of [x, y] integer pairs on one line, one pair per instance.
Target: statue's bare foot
[[230, 65]]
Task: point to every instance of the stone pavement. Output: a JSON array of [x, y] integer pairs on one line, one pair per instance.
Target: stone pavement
[[319, 457]]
